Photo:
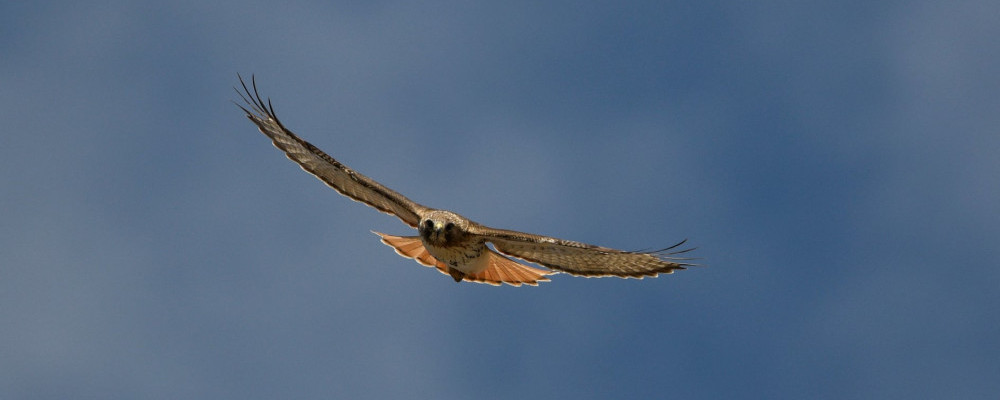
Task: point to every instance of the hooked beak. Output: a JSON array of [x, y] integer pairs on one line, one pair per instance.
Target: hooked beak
[[437, 232]]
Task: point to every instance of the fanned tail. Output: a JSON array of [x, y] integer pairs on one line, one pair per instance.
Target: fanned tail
[[500, 270], [412, 247], [505, 270]]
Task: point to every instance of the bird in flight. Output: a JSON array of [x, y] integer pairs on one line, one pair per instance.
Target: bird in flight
[[453, 244]]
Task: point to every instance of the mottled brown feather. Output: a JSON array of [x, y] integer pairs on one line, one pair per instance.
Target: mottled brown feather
[[327, 169], [561, 255], [582, 259]]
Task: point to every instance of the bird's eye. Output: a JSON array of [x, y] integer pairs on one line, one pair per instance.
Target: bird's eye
[[449, 226], [428, 224]]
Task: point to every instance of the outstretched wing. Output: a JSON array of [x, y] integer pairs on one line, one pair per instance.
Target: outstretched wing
[[314, 161], [584, 259]]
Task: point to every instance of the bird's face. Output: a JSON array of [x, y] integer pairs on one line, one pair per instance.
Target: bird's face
[[442, 228]]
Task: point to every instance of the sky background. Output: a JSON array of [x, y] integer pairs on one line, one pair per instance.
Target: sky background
[[836, 163]]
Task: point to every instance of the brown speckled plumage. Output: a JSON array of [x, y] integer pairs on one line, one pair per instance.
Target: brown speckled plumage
[[453, 244]]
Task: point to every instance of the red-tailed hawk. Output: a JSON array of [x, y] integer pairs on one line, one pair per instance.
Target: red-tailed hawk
[[453, 244]]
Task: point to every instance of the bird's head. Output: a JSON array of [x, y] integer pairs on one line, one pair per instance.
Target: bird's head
[[443, 227]]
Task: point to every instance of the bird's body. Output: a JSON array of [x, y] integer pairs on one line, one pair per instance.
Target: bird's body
[[443, 234], [453, 244]]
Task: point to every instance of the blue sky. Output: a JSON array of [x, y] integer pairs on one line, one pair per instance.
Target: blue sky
[[836, 163]]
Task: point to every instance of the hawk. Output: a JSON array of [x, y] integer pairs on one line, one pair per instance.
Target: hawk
[[453, 244]]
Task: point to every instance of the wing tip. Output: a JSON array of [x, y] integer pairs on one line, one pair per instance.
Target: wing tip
[[260, 110]]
